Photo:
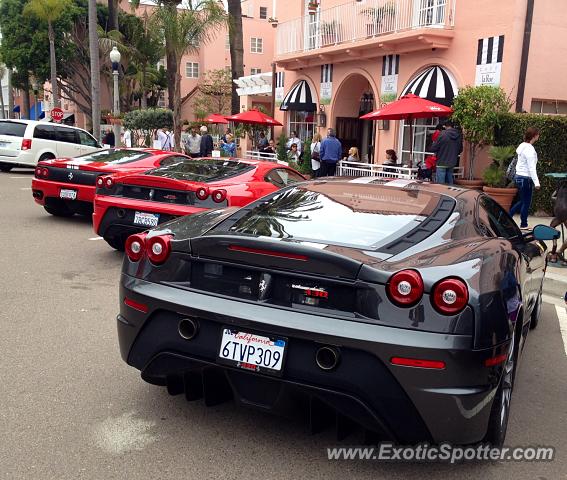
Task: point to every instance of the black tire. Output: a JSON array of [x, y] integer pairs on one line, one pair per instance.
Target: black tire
[[534, 319], [118, 243], [46, 156], [59, 210], [500, 412], [4, 167]]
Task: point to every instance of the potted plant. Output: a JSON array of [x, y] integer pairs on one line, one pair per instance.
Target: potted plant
[[477, 110], [497, 186], [329, 32], [312, 6], [378, 15]]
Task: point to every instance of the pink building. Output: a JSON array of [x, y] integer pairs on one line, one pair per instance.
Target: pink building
[[339, 59]]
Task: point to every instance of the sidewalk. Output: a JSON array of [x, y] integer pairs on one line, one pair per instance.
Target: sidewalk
[[555, 284]]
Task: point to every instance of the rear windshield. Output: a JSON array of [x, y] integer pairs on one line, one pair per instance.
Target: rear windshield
[[113, 157], [339, 213], [14, 129], [202, 170]]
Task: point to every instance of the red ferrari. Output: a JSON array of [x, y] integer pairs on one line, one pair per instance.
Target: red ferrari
[[128, 204], [67, 186]]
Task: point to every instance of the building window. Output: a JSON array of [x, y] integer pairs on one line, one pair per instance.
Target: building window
[[303, 123], [192, 70], [256, 45], [263, 13], [255, 71], [549, 107], [227, 42]]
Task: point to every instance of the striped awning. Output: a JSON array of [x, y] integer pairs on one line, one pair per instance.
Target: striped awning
[[435, 84], [299, 98]]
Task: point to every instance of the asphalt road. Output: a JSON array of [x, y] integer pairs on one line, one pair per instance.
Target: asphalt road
[[71, 409]]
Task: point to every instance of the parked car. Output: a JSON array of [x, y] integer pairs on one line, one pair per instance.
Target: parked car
[[24, 143], [399, 307], [67, 186], [125, 205]]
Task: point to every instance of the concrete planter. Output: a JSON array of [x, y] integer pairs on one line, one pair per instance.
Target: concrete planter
[[503, 196]]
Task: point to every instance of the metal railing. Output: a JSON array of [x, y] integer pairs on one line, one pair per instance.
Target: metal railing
[[358, 169], [256, 155], [356, 21]]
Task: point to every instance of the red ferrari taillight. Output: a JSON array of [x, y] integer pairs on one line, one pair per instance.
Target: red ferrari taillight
[[26, 144], [38, 172], [44, 173], [108, 182], [158, 248], [100, 182], [450, 296], [219, 196], [405, 288], [135, 246], [202, 193]]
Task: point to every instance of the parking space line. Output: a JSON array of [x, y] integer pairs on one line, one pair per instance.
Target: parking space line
[[25, 188], [27, 178], [95, 238], [562, 316]]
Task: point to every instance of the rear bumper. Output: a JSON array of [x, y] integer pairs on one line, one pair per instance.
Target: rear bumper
[[408, 405], [23, 159], [45, 189]]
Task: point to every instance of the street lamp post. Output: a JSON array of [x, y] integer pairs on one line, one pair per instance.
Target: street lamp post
[[115, 59], [35, 88]]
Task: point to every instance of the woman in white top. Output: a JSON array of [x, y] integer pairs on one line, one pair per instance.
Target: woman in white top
[[315, 160], [526, 175]]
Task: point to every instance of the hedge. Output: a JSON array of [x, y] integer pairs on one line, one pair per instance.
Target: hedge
[[551, 149], [144, 124]]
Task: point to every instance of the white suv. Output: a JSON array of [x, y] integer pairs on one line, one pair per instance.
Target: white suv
[[25, 142]]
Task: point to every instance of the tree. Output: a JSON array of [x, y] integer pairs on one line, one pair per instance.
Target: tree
[[49, 11], [184, 31], [144, 124], [477, 110], [95, 68], [3, 71], [214, 93], [236, 49], [112, 15]]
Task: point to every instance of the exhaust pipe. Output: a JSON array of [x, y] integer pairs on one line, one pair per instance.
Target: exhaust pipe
[[327, 358], [121, 213], [188, 328]]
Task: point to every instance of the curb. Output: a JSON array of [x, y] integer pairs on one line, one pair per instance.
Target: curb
[[555, 283]]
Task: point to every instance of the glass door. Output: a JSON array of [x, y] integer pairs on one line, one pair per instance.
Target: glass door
[[429, 13]]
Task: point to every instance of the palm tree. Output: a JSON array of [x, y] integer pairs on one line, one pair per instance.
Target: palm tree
[[49, 11], [95, 68], [184, 31], [236, 49], [112, 15]]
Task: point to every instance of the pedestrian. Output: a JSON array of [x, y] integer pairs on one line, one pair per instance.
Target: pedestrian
[[353, 155], [425, 172], [331, 152], [128, 138], [526, 175], [391, 157], [206, 146], [293, 155], [262, 142], [447, 148], [271, 148], [316, 155], [229, 146], [193, 144], [165, 137], [109, 139], [293, 139], [228, 132]]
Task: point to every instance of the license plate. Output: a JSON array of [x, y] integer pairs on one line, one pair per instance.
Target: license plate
[[68, 194], [146, 219], [252, 352]]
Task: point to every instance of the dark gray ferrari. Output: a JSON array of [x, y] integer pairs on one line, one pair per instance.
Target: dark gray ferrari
[[397, 307]]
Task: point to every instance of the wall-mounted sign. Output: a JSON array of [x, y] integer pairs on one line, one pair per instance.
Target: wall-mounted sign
[[280, 76], [489, 61], [326, 84], [390, 71]]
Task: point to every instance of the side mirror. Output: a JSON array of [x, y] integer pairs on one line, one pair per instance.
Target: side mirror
[[543, 232]]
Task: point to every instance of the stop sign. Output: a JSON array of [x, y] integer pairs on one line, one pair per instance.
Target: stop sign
[[56, 114]]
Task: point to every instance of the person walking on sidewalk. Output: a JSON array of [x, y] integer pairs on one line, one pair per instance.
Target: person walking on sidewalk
[[330, 153], [526, 176], [193, 144], [447, 148], [206, 147]]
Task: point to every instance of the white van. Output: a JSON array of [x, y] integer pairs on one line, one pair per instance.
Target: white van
[[25, 142]]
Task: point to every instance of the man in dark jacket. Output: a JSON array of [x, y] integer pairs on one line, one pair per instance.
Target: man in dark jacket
[[448, 147], [330, 153], [206, 143]]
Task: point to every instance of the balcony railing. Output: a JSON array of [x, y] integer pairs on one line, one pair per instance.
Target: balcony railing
[[357, 21]]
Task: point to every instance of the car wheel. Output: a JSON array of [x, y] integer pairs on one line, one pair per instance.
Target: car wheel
[[46, 156], [534, 320], [4, 167], [118, 243], [498, 422], [59, 210]]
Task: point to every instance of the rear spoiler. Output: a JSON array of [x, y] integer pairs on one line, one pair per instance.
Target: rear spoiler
[[160, 182]]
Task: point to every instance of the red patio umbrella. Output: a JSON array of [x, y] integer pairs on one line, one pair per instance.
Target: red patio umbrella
[[254, 117], [409, 107], [216, 118]]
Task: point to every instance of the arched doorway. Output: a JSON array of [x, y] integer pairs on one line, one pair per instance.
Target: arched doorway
[[354, 98]]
